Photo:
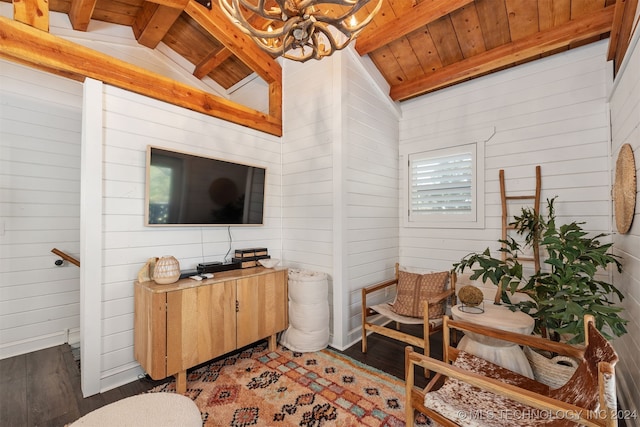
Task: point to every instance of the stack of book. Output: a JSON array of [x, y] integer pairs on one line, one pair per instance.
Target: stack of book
[[249, 257]]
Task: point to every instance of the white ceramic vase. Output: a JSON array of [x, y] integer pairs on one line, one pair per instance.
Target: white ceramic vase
[[167, 270]]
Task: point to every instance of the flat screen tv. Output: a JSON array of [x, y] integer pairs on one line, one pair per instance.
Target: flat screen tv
[[186, 189]]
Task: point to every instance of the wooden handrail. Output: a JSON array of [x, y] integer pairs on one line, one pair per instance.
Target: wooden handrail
[[66, 257]]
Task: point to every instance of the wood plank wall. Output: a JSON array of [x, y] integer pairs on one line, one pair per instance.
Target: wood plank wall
[[40, 124], [370, 188], [131, 122], [552, 112], [339, 181], [308, 169], [625, 129]]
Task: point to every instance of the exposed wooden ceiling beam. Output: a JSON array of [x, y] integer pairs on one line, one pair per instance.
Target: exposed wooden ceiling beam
[[80, 13], [621, 30], [217, 24], [542, 42], [615, 28], [417, 17], [154, 21], [211, 62], [241, 45], [32, 12], [25, 44]]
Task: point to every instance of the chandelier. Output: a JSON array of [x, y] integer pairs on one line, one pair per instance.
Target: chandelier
[[300, 29]]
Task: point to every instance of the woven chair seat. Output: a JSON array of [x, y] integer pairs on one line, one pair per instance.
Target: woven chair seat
[[420, 299], [387, 311]]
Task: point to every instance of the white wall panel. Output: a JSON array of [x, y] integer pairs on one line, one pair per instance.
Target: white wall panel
[[551, 112], [339, 181], [39, 208], [625, 129], [307, 165], [370, 188], [131, 123]]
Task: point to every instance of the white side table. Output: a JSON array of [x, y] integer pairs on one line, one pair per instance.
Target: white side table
[[502, 353]]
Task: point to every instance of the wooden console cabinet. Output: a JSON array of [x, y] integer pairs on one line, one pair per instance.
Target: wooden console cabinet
[[184, 324]]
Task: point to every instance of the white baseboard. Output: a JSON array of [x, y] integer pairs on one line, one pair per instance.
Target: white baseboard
[[74, 336], [120, 376], [17, 348]]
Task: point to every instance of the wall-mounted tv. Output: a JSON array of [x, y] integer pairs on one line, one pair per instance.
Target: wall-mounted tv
[[186, 189]]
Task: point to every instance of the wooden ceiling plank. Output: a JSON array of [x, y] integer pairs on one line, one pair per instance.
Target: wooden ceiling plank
[[80, 13], [580, 8], [153, 22], [425, 50], [32, 12], [552, 13], [62, 6], [400, 6], [467, 27], [406, 58], [417, 17], [211, 61], [25, 44], [536, 44], [523, 18], [492, 15], [189, 40], [385, 14], [446, 41], [117, 12], [384, 60], [176, 4], [217, 24]]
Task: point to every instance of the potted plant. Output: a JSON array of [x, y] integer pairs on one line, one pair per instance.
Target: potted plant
[[566, 287]]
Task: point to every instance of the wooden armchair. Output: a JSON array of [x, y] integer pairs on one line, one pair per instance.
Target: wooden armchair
[[475, 392], [432, 323]]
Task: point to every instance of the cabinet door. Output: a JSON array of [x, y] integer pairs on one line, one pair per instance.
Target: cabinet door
[[149, 332], [262, 306], [201, 324]]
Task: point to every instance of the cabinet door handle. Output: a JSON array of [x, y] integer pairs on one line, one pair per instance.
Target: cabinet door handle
[[237, 306]]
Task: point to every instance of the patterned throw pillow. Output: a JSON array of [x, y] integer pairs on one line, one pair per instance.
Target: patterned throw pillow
[[414, 288]]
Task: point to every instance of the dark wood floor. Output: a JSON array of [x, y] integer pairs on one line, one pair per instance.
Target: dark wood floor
[[43, 388]]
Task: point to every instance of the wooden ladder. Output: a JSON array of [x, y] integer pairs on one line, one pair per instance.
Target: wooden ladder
[[535, 198]]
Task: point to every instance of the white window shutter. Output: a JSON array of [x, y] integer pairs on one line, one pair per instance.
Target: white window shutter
[[442, 184]]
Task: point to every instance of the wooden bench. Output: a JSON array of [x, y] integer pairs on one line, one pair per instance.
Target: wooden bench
[[467, 390]]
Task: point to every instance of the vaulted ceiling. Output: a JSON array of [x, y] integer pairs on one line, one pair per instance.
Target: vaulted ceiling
[[419, 46]]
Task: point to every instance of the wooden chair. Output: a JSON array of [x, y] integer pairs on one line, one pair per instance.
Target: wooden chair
[[430, 326], [472, 390]]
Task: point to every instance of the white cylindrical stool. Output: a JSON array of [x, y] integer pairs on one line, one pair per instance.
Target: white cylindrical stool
[[308, 311]]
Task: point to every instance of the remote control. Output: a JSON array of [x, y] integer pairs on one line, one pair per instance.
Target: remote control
[[207, 275], [195, 278]]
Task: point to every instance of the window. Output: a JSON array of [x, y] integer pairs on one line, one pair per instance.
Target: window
[[445, 187]]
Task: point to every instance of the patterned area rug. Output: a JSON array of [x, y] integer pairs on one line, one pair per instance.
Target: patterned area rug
[[283, 388]]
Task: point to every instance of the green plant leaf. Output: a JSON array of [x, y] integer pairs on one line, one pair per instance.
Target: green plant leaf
[[566, 288]]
